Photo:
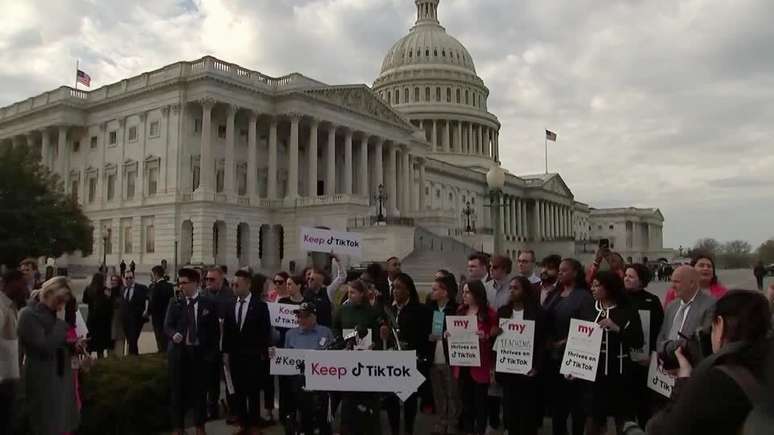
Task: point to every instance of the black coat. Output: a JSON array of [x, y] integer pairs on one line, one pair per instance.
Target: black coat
[[132, 311], [415, 322], [100, 319], [208, 328], [254, 338], [646, 301], [160, 294], [324, 307]]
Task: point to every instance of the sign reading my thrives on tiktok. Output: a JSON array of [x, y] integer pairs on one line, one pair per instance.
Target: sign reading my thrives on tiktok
[[581, 355], [337, 242]]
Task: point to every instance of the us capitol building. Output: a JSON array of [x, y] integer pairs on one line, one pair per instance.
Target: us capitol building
[[209, 162]]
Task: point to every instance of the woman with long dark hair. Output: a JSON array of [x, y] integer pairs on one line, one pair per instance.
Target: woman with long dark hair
[[117, 322], [708, 279], [520, 409], [474, 381], [713, 397], [621, 332], [572, 301], [98, 297]]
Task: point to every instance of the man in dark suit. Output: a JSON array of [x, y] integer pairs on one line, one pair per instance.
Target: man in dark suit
[[220, 293], [161, 291], [246, 340], [134, 310], [193, 329]]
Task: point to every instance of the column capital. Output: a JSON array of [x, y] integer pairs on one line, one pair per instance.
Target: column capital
[[207, 103], [122, 122], [232, 109], [314, 122], [364, 137], [273, 121], [252, 115], [348, 133], [175, 108], [165, 111], [294, 116]]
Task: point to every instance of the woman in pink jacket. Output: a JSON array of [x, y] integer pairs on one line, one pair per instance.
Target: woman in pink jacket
[[708, 279], [474, 381]]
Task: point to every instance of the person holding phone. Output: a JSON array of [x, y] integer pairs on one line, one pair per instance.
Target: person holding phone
[[606, 259]]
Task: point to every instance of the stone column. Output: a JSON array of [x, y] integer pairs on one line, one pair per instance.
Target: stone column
[[422, 186], [460, 148], [400, 177], [348, 162], [229, 170], [519, 226], [378, 166], [391, 179], [61, 163], [434, 136], [271, 179], [45, 154], [525, 233], [497, 146], [446, 136], [481, 139], [541, 228], [206, 159], [312, 152], [252, 157], [507, 214], [408, 180], [292, 191], [330, 173], [515, 229], [364, 165]]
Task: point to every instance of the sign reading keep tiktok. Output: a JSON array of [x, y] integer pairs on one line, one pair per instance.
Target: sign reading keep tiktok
[[337, 242]]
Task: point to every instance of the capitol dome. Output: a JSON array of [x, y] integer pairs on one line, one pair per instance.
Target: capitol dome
[[430, 77]]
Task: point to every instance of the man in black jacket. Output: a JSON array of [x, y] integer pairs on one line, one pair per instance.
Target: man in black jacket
[[246, 340], [414, 323], [134, 310], [217, 289], [161, 291], [193, 329]]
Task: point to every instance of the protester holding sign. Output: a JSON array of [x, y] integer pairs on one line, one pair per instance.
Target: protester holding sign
[[293, 286], [474, 381], [520, 390], [572, 301], [622, 332], [357, 314], [445, 392], [636, 279], [412, 321]]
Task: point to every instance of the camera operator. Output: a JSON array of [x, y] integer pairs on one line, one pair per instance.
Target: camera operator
[[715, 397], [309, 335], [691, 311]]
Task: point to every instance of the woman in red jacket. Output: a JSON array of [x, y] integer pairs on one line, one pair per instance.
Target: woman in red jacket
[[474, 381], [708, 279]]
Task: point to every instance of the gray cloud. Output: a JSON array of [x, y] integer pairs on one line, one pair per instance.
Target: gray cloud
[[660, 103]]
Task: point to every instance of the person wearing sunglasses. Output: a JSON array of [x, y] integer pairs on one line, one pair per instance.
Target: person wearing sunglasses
[[278, 288]]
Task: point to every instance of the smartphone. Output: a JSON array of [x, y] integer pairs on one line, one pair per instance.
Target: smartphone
[[604, 243]]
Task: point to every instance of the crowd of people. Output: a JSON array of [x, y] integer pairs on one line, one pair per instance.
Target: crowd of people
[[218, 337]]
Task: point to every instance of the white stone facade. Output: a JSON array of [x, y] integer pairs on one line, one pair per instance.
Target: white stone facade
[[209, 162]]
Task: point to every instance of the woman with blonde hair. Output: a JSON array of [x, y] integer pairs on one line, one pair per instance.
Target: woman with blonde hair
[[48, 374]]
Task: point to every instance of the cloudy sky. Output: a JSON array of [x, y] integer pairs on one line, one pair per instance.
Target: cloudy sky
[[657, 103]]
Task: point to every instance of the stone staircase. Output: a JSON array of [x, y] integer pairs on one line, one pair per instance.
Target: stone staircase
[[432, 252]]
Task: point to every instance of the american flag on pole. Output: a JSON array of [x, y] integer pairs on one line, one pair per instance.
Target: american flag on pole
[[83, 78], [550, 135]]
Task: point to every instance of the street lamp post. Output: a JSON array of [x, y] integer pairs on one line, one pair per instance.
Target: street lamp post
[[468, 212], [104, 253], [495, 180], [380, 197]]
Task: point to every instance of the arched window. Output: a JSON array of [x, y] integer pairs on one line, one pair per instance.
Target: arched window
[[448, 95], [411, 54], [389, 97], [458, 96], [427, 93], [416, 94], [438, 94], [397, 96], [435, 52], [427, 52], [466, 97], [443, 53], [405, 95]]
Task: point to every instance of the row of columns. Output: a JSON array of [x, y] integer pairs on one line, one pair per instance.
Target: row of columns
[[515, 218], [396, 174], [464, 137], [552, 221]]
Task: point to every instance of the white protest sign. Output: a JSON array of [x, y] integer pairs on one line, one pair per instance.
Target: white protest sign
[[581, 354], [283, 315], [364, 343], [514, 346], [367, 370], [320, 240], [659, 380], [643, 353], [285, 362], [463, 343]]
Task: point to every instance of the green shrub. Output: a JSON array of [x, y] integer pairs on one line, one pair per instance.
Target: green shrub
[[126, 396]]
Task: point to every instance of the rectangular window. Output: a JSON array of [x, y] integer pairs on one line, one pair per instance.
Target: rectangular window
[[427, 94], [111, 187], [195, 177], [109, 241], [112, 137], [154, 129], [132, 133], [437, 94], [222, 131], [76, 146], [127, 240], [150, 239], [92, 189], [197, 125], [131, 179], [242, 188], [93, 142], [219, 178], [153, 180]]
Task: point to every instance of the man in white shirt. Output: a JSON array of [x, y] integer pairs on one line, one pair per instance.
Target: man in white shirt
[[526, 264], [393, 269]]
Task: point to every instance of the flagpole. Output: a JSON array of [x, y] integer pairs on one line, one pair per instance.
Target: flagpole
[[77, 66], [545, 139]]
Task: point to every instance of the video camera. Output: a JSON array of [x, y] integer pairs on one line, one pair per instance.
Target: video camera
[[696, 347]]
